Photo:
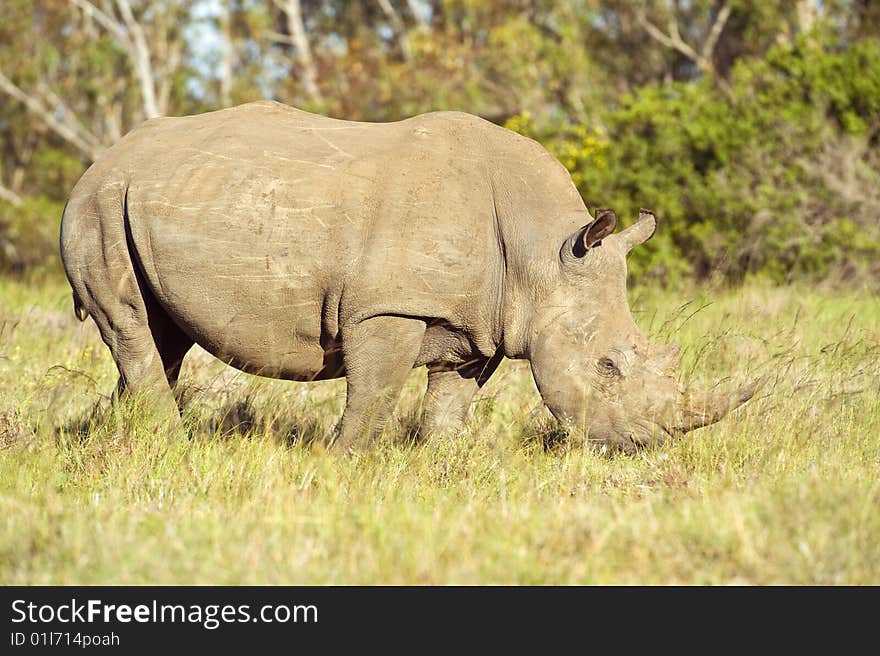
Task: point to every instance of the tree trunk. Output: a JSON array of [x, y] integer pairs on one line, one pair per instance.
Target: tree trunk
[[296, 26], [226, 54], [139, 52]]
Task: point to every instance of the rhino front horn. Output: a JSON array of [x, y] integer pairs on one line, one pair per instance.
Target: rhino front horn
[[702, 409]]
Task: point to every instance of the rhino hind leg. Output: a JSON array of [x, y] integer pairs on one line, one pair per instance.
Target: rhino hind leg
[[378, 353], [111, 291], [171, 342], [124, 325]]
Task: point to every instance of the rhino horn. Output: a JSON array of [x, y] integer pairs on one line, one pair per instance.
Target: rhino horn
[[705, 408]]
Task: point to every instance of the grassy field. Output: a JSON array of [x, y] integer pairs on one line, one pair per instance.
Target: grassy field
[[786, 490]]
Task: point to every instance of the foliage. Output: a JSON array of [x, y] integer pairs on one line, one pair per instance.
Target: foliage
[[777, 176], [750, 127], [29, 236]]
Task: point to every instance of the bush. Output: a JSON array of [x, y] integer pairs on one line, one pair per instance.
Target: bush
[[29, 236], [777, 177]]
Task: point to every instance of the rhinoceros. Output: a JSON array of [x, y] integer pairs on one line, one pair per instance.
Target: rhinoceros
[[302, 247]]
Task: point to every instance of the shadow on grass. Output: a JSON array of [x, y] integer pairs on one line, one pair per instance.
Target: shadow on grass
[[243, 418], [544, 433], [235, 419], [80, 427]]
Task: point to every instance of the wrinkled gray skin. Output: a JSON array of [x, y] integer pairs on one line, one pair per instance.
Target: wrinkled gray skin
[[302, 247]]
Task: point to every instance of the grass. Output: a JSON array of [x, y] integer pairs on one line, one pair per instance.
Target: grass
[[786, 490]]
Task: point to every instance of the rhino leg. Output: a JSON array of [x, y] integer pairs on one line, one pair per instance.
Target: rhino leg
[[171, 342], [124, 326], [140, 336], [378, 353], [135, 363], [447, 399]]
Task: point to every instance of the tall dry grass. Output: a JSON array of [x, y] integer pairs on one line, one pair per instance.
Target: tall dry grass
[[786, 490]]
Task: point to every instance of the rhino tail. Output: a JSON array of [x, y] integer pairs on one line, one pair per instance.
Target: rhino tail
[[79, 309]]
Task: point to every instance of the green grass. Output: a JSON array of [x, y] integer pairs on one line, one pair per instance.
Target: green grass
[[786, 490]]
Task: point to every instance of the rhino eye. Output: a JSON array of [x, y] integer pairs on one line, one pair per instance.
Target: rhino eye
[[607, 367]]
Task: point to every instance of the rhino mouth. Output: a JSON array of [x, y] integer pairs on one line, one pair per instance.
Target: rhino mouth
[[655, 436], [642, 435]]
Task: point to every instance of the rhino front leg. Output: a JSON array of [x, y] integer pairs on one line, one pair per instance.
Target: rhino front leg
[[378, 354], [447, 399]]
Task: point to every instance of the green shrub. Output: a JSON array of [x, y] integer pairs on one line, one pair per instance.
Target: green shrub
[[29, 236], [777, 177]]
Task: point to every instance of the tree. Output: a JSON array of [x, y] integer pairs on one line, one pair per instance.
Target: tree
[[72, 85]]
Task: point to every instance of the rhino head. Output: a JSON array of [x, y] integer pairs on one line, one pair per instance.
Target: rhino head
[[594, 368]]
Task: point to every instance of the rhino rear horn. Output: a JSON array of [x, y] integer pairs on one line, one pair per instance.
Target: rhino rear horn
[[591, 235], [640, 231]]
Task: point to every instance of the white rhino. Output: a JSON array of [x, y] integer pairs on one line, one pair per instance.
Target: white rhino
[[302, 247]]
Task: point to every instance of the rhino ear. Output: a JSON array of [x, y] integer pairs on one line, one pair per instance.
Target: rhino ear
[[591, 235], [640, 231]]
